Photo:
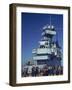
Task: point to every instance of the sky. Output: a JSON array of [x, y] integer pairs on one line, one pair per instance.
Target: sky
[[32, 24]]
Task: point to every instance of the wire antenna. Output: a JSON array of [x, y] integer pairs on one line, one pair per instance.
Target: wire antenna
[[50, 20]]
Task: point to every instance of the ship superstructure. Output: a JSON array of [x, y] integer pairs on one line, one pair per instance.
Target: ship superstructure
[[48, 51]]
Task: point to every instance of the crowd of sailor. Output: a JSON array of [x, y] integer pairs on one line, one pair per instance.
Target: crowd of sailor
[[45, 71]]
